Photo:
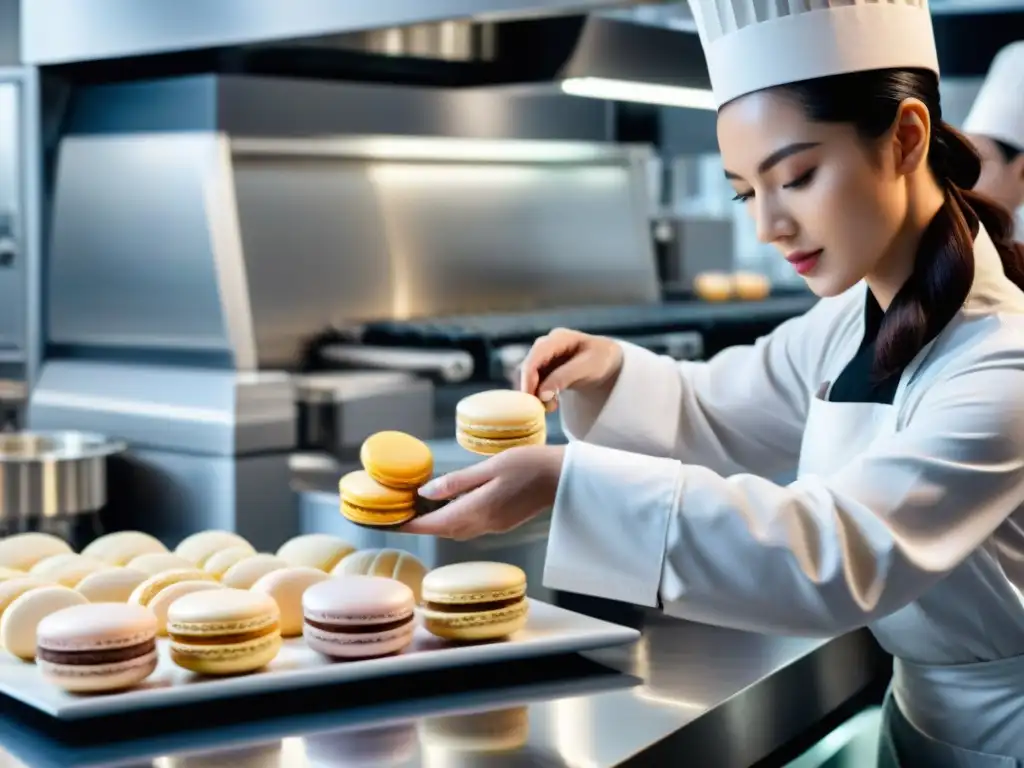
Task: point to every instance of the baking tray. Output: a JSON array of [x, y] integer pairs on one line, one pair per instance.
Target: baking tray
[[550, 630]]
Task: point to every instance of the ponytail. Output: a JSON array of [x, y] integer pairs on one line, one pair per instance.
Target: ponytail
[[944, 265]]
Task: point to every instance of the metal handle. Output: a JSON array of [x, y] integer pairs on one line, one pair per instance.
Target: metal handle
[[451, 366]]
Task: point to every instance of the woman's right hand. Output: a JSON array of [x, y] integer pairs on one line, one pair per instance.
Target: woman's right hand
[[565, 359]]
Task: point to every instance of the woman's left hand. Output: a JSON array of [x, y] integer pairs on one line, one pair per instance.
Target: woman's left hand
[[494, 496]]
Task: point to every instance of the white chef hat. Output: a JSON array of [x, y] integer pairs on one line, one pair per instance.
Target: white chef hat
[[755, 44], [998, 112]]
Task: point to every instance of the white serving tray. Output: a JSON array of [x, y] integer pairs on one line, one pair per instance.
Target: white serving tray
[[550, 630]]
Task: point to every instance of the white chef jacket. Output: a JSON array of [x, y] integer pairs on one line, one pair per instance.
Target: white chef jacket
[[663, 498]]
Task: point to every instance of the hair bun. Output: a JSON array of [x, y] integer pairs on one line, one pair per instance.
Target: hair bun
[[956, 159]]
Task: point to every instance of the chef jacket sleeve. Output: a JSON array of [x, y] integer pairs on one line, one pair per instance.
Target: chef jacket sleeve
[[741, 411], [820, 556]]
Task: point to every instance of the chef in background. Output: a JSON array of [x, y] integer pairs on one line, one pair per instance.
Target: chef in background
[[899, 396], [996, 127]]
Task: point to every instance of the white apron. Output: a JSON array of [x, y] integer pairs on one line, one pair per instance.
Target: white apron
[[835, 433]]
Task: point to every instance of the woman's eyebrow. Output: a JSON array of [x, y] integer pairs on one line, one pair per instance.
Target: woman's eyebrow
[[777, 157]]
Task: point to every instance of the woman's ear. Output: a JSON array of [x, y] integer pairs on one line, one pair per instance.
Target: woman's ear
[[912, 132]]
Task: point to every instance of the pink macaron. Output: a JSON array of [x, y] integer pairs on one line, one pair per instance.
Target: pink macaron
[[97, 647], [358, 617]]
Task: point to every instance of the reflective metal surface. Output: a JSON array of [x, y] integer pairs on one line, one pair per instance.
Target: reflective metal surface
[[53, 474], [684, 695]]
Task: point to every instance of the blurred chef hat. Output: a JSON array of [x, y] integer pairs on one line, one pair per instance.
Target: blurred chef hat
[[755, 44], [998, 112]]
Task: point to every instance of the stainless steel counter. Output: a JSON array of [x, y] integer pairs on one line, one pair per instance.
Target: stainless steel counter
[[685, 694]]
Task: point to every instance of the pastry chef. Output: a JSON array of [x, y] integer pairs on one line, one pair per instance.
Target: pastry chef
[[995, 125], [899, 398]]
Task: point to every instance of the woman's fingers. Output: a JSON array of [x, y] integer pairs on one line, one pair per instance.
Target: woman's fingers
[[461, 481], [563, 378], [548, 353], [464, 518]]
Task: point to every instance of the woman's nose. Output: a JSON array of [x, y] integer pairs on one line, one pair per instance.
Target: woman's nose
[[773, 223]]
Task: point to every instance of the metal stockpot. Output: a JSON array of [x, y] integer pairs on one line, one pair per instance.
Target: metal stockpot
[[52, 475]]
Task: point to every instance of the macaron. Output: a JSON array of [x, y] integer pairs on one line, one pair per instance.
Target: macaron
[[475, 601], [315, 550], [389, 563], [199, 546], [97, 647], [23, 550], [162, 601], [713, 286], [9, 573], [358, 617], [120, 547], [111, 585], [151, 587], [218, 563], [364, 501], [153, 563], [493, 732], [247, 572], [12, 589], [21, 619], [751, 286], [397, 460], [490, 422], [224, 631], [67, 569], [286, 587]]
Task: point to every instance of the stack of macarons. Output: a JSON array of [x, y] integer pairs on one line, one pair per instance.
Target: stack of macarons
[[383, 493], [493, 421]]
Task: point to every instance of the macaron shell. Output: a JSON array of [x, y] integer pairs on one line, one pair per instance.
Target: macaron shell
[[198, 547], [362, 600], [376, 518], [120, 547], [490, 446], [218, 563], [397, 460], [222, 660], [500, 414], [23, 550], [474, 582], [12, 589], [67, 569], [96, 626], [286, 587], [360, 489], [158, 562], [315, 550], [389, 563], [476, 626], [9, 573], [111, 585], [355, 645], [165, 598], [222, 612], [22, 617], [99, 678], [151, 587], [245, 573]]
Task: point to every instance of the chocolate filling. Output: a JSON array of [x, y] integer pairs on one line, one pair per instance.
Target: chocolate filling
[[112, 656], [495, 605], [241, 637], [361, 629]]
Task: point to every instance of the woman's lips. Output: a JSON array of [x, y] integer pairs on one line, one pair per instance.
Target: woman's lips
[[804, 261]]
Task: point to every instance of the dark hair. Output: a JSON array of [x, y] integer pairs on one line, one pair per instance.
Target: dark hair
[[944, 265]]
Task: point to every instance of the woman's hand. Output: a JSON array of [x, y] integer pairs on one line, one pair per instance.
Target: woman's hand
[[494, 496], [566, 359]]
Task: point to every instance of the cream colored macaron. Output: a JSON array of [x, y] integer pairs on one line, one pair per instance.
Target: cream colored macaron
[[219, 562], [390, 563], [67, 569], [315, 550], [23, 550], [10, 573], [245, 573], [286, 586], [153, 563], [151, 587], [19, 622], [12, 589], [162, 600], [111, 585], [121, 547], [198, 547]]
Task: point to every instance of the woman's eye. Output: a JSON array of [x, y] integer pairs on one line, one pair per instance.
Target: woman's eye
[[801, 181], [742, 197]]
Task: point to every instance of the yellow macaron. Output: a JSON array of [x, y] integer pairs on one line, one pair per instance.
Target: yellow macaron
[[474, 601], [496, 420], [224, 631], [397, 460], [364, 501]]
